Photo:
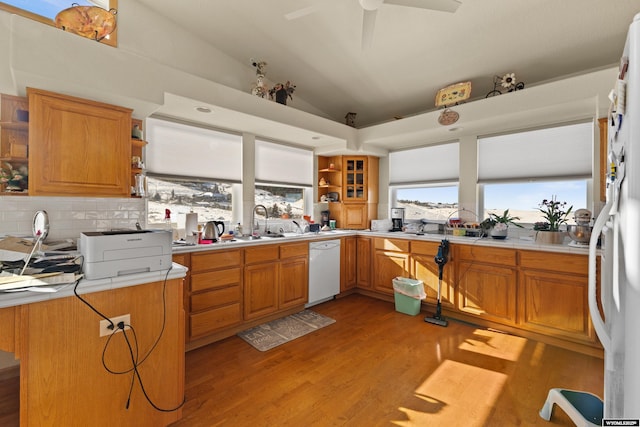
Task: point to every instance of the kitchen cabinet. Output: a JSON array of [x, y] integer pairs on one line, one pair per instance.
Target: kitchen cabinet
[[276, 277], [329, 177], [391, 259], [137, 157], [553, 291], [348, 263], [487, 283], [355, 179], [363, 258], [185, 260], [425, 268], [63, 380], [215, 291], [14, 136], [78, 147]]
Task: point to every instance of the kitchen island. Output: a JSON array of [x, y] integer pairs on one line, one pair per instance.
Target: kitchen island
[[64, 360]]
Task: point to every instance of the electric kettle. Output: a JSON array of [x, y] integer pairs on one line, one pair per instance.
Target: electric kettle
[[213, 230]]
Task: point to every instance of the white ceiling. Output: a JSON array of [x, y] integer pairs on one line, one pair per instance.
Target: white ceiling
[[414, 52]]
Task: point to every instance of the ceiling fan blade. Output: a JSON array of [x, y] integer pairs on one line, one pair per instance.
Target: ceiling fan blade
[[440, 5], [302, 12], [368, 25]]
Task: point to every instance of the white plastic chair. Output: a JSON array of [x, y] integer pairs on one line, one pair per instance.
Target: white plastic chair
[[584, 409]]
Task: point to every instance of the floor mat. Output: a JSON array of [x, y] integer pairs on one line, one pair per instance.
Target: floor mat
[[272, 334]]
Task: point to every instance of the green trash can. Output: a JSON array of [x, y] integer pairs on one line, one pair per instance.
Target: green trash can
[[408, 295]]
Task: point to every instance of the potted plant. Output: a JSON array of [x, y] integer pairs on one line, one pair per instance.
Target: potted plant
[[497, 226], [555, 215]]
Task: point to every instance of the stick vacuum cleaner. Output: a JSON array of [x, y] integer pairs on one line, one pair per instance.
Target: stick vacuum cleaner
[[441, 259]]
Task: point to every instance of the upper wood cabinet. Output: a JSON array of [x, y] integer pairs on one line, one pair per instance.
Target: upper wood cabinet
[[354, 179], [78, 147]]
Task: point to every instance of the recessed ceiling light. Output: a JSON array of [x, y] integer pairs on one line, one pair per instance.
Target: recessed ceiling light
[[315, 137], [203, 109]]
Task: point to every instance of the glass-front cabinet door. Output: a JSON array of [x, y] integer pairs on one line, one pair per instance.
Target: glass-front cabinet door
[[355, 182]]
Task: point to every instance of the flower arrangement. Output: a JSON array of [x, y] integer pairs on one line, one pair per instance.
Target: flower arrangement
[[282, 91], [555, 214], [15, 179]]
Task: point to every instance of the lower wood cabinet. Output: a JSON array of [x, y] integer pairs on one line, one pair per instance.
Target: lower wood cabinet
[[553, 295], [487, 283], [391, 259], [348, 263], [425, 268], [215, 292], [275, 278], [363, 262]]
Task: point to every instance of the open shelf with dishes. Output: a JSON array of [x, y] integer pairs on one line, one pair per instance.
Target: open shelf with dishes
[[14, 144], [329, 179]]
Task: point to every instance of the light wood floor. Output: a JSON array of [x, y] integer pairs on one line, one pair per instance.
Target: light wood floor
[[377, 367]]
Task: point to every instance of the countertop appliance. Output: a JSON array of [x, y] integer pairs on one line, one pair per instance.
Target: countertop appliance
[[213, 230], [117, 253], [619, 224], [397, 219], [324, 271]]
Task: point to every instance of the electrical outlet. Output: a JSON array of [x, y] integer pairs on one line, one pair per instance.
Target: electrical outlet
[[104, 324]]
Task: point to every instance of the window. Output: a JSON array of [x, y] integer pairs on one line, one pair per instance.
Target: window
[[284, 176], [424, 181], [523, 199], [434, 203], [45, 11], [191, 169], [518, 171]]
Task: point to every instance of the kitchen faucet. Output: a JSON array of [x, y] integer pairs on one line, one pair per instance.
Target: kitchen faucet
[[253, 216]]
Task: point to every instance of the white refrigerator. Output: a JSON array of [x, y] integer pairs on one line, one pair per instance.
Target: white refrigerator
[[618, 225]]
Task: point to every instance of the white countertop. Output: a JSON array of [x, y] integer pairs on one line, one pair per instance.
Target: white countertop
[[509, 243], [10, 299]]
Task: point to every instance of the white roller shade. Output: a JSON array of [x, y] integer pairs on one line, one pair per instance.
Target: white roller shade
[[558, 152], [185, 150], [434, 163], [282, 164]]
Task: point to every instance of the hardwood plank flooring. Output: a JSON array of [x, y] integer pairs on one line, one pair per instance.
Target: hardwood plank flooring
[[378, 367]]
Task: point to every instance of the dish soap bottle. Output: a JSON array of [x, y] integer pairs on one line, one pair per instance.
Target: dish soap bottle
[[238, 230]]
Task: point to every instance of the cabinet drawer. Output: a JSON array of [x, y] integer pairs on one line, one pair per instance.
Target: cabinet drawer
[[215, 279], [484, 254], [212, 320], [182, 259], [261, 254], [566, 263], [426, 248], [215, 298], [294, 250], [215, 259], [397, 245]]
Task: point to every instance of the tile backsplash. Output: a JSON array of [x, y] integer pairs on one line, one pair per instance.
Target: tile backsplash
[[69, 216]]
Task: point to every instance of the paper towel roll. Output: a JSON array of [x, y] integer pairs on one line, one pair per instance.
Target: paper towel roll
[[190, 223]]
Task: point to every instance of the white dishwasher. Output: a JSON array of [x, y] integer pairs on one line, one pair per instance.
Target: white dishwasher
[[324, 271]]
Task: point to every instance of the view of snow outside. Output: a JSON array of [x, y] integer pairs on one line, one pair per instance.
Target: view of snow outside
[[522, 200], [212, 200]]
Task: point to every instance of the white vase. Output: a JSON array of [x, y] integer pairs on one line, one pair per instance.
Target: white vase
[[499, 233]]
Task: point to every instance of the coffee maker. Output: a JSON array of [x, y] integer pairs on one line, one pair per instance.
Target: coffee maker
[[397, 219], [324, 218]]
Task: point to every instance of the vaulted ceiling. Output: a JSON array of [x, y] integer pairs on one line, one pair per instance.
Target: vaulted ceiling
[[413, 53]]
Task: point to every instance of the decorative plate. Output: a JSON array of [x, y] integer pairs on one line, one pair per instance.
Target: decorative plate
[[448, 117], [91, 22], [453, 94]]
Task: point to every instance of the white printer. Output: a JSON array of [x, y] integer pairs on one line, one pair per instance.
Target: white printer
[[117, 253]]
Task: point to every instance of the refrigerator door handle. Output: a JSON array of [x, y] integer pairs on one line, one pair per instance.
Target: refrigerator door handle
[[596, 317]]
